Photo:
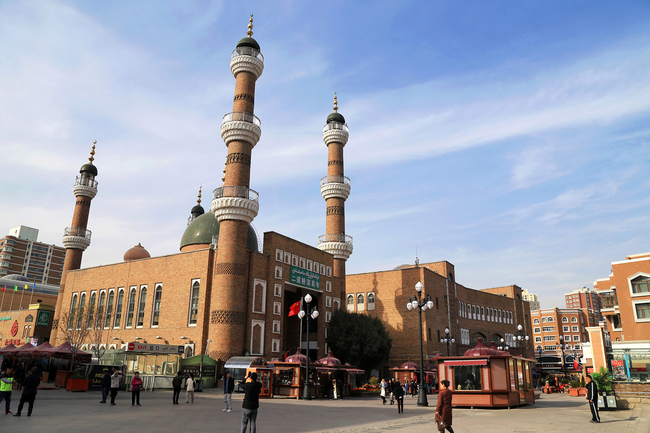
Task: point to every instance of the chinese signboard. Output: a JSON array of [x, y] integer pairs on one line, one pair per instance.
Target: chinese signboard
[[304, 278], [618, 369], [155, 348], [43, 318]]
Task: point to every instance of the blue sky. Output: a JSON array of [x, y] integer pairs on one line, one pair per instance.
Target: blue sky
[[509, 138]]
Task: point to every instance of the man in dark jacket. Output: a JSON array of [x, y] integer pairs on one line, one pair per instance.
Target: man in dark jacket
[[592, 396], [177, 383], [252, 390], [30, 386], [106, 385], [228, 389]]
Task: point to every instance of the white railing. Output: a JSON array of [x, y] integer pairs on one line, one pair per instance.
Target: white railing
[[247, 51], [242, 116], [84, 181], [76, 231], [335, 178], [335, 125], [334, 237], [236, 191]]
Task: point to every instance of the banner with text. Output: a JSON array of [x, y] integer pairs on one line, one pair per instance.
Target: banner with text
[[304, 278]]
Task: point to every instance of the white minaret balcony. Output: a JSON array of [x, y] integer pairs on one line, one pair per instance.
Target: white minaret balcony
[[335, 186], [235, 203], [241, 126], [76, 238], [85, 186], [337, 244], [246, 59], [335, 132]]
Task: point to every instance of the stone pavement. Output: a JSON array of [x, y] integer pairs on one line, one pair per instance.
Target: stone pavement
[[60, 411]]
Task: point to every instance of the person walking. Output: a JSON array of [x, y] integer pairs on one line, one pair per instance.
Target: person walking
[[228, 389], [592, 397], [115, 384], [6, 382], [251, 403], [399, 396], [189, 388], [177, 384], [30, 387], [443, 410], [391, 388], [382, 390], [106, 385], [136, 385]]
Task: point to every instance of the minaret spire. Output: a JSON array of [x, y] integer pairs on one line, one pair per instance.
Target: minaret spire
[[198, 201], [250, 27], [336, 104], [92, 152]]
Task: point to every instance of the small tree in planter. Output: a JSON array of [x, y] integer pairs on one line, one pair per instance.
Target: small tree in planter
[[603, 379]]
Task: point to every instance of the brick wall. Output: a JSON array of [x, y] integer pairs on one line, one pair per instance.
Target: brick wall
[[631, 394]]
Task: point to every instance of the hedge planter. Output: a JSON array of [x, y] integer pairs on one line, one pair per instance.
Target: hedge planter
[[77, 384]]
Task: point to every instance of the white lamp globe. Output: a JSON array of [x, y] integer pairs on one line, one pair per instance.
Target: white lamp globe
[[424, 307], [430, 304], [308, 298], [409, 306], [419, 286], [414, 304], [520, 327], [301, 314], [314, 314]]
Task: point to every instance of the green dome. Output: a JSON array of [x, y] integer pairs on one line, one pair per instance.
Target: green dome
[[249, 42], [336, 117], [201, 230], [88, 168], [197, 210]]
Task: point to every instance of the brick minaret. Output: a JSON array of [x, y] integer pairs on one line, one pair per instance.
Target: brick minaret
[[335, 189], [235, 205], [76, 238]]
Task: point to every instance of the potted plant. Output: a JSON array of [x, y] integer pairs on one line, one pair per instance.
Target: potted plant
[[78, 382], [603, 380]]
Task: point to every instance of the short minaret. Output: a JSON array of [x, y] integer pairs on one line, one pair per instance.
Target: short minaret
[[335, 188], [197, 210], [76, 238], [235, 205]]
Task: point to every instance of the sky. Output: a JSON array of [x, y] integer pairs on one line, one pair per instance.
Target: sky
[[509, 138]]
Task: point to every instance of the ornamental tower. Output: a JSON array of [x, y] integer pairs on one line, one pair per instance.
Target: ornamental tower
[[235, 205], [335, 189], [76, 238]]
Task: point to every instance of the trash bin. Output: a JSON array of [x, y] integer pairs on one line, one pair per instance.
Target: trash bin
[[611, 402]]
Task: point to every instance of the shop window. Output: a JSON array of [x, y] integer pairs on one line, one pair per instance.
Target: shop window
[[194, 302], [371, 301], [467, 377]]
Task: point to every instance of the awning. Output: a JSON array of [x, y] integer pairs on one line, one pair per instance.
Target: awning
[[466, 362], [354, 371], [325, 369]]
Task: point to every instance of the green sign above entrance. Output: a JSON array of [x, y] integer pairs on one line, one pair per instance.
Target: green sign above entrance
[[43, 318], [304, 278]]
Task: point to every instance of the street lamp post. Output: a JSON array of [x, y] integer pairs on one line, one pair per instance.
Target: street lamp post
[[421, 305], [447, 339], [313, 313], [522, 338], [503, 345], [561, 346]]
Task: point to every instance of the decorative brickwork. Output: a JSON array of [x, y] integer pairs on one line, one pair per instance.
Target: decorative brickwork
[[244, 97], [238, 158], [336, 210], [221, 356], [335, 162], [55, 324], [83, 202], [231, 269], [229, 317]]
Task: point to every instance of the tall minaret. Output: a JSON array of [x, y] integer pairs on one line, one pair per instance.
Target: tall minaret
[[335, 188], [235, 205], [77, 238]]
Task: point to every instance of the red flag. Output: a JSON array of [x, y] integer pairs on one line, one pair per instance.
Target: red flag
[[294, 309], [3, 289], [576, 364]]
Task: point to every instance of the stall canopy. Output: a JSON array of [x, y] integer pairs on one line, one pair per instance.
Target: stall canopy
[[7, 349], [42, 347], [467, 362], [64, 351]]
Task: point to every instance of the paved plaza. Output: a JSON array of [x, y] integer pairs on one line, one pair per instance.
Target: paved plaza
[[61, 411]]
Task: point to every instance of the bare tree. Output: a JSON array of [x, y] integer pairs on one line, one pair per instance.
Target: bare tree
[[96, 334], [74, 328]]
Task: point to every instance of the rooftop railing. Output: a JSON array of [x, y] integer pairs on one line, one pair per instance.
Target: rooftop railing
[[336, 125], [241, 116], [236, 191], [81, 180], [335, 237], [76, 231], [247, 51], [335, 179]]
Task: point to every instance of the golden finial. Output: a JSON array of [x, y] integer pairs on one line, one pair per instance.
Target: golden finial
[[336, 104], [250, 27], [199, 199], [92, 153]]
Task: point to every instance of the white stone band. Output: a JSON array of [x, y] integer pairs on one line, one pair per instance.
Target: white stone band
[[234, 208], [335, 136], [240, 131], [335, 190], [86, 191], [340, 250], [246, 64], [76, 242]]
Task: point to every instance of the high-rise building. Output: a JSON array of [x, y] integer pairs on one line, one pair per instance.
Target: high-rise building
[[555, 329], [588, 301], [22, 254], [531, 298]]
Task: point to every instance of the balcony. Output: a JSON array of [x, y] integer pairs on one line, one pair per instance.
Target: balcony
[[335, 237], [335, 132], [242, 116], [81, 180], [235, 203], [241, 126], [336, 126], [76, 238], [337, 244], [335, 186], [246, 59], [236, 191], [85, 186], [247, 51]]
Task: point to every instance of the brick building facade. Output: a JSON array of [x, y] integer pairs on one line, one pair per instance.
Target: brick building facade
[[469, 314]]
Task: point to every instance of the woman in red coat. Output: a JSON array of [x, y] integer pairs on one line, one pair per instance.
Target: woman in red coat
[[444, 405]]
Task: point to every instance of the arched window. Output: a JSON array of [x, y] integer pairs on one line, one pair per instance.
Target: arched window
[[143, 301], [482, 313], [350, 302], [536, 321], [73, 310], [360, 302], [100, 310], [109, 309], [155, 315], [574, 320], [91, 310], [473, 312], [194, 303], [544, 320], [118, 308], [565, 320], [80, 313], [130, 308], [371, 301]]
